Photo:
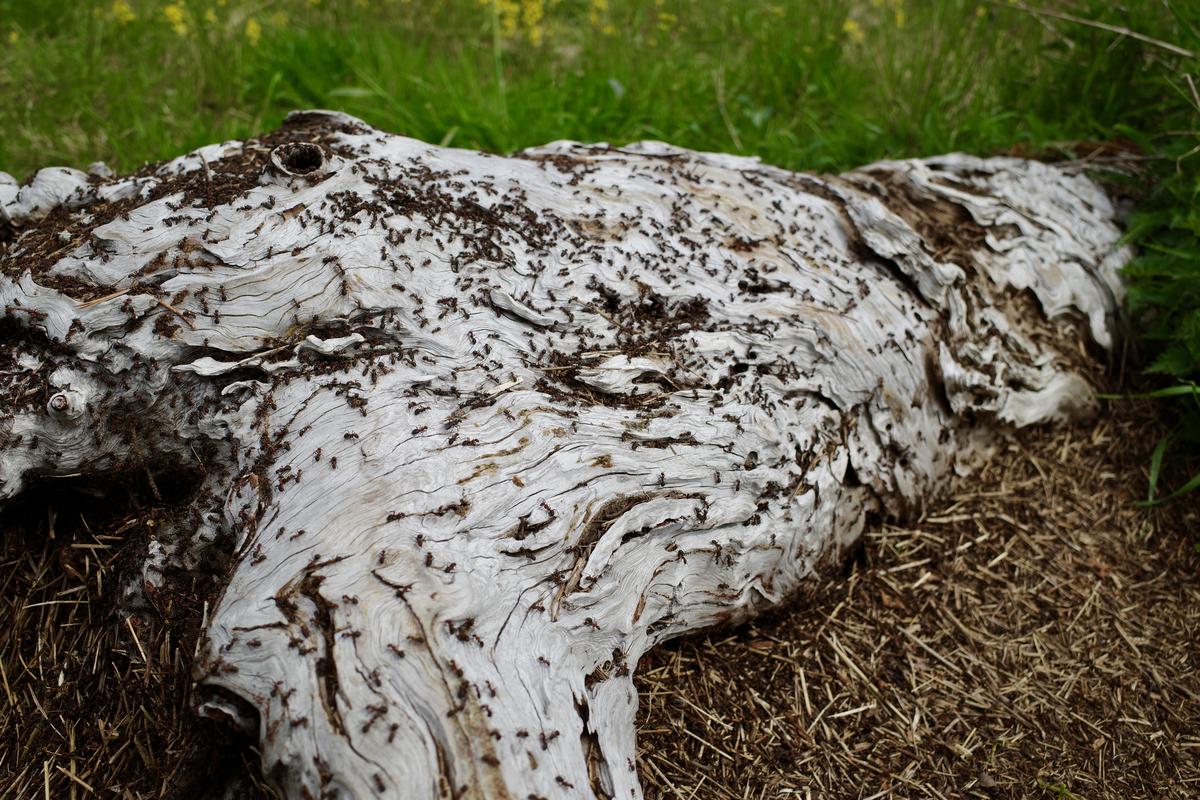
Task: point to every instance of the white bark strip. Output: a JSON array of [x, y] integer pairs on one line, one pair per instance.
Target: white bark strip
[[480, 431]]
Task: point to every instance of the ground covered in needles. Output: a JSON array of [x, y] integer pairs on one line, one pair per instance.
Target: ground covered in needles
[[1032, 636]]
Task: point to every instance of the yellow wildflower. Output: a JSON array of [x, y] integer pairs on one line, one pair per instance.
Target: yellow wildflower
[[532, 13], [210, 16], [253, 31], [13, 37], [514, 17], [597, 12], [176, 16], [853, 30], [666, 20], [122, 12], [508, 13]]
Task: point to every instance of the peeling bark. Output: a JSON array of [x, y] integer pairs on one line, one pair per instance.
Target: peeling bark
[[479, 431]]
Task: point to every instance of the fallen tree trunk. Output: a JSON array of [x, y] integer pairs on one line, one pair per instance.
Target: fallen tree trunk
[[474, 433]]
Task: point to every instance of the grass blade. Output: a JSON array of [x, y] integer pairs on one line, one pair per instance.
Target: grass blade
[[1156, 460], [1192, 485], [1182, 390]]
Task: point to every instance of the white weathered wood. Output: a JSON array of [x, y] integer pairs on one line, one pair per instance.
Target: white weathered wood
[[480, 431]]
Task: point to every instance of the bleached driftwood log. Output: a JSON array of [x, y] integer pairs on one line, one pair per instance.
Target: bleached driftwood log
[[480, 431]]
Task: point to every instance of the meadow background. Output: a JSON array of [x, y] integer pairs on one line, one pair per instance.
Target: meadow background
[[805, 84]]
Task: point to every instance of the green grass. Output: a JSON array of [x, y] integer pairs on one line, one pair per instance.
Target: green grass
[[821, 84], [784, 80]]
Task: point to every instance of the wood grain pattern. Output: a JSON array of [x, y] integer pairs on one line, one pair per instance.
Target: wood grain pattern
[[476, 432]]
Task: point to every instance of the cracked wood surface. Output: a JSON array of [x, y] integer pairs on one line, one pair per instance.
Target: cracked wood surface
[[472, 433]]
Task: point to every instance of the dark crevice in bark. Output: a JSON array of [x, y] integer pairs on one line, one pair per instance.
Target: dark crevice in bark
[[593, 753]]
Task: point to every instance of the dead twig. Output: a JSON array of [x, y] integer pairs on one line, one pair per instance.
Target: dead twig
[[1091, 23]]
